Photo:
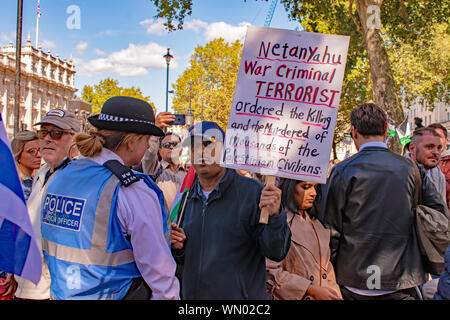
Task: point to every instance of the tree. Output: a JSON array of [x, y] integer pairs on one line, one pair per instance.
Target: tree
[[106, 89], [386, 36], [173, 10], [211, 77]]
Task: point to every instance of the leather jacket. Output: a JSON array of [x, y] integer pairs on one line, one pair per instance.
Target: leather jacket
[[369, 210]]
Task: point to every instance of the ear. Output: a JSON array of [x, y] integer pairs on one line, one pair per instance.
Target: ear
[[354, 133], [131, 144], [412, 151]]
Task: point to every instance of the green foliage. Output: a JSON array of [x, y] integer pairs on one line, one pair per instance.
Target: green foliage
[[415, 37], [423, 67], [211, 77], [173, 10], [332, 17], [106, 89]]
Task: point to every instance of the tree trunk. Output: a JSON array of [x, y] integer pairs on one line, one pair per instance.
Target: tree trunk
[[380, 69], [334, 147]]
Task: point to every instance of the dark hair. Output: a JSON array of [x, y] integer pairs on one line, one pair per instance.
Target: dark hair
[[287, 197], [168, 134], [422, 132], [369, 120], [439, 126]]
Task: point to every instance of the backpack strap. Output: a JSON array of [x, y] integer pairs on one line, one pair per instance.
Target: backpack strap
[[126, 176], [158, 173]]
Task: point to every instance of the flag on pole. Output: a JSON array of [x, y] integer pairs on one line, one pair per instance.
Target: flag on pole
[[19, 253], [185, 187], [37, 23], [391, 127]]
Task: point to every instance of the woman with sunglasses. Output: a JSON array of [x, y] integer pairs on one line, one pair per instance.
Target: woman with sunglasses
[[25, 147], [306, 272], [103, 224]]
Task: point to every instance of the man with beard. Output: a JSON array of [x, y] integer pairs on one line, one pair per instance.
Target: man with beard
[[426, 148], [444, 163]]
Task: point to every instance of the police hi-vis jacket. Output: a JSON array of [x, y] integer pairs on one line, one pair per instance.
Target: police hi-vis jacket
[[86, 250]]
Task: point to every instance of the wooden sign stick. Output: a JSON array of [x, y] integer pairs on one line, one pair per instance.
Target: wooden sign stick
[[264, 217]]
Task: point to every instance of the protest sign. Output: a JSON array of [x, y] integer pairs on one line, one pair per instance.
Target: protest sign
[[285, 103]]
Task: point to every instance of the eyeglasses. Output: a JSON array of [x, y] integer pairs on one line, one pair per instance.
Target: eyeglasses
[[54, 134], [167, 145]]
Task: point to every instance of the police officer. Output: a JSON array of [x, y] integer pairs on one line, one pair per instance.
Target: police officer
[[102, 223]]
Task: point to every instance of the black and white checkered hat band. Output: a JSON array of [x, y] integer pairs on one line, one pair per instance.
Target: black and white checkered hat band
[[107, 117]]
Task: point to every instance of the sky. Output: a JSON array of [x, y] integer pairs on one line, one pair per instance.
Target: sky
[[122, 39]]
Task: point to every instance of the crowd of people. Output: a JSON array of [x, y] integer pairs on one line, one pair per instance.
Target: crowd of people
[[100, 209]]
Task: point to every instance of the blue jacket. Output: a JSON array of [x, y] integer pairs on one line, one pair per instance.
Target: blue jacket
[[225, 247], [443, 292], [86, 251]]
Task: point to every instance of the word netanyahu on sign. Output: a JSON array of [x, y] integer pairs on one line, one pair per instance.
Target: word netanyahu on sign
[[303, 54]]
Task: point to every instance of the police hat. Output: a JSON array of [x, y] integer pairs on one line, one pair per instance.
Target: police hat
[[126, 114]]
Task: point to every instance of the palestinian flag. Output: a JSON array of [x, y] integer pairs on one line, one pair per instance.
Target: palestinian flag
[[391, 127], [178, 202], [404, 132]]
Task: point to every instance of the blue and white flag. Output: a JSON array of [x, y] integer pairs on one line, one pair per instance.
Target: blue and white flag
[[19, 253]]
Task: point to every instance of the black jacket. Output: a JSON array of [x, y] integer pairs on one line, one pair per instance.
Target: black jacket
[[369, 211], [225, 246]]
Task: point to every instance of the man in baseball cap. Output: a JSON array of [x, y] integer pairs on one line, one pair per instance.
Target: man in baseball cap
[[56, 132], [62, 119], [204, 131], [205, 141], [220, 216], [58, 128]]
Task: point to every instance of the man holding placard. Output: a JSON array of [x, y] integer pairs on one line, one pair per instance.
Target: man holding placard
[[221, 244]]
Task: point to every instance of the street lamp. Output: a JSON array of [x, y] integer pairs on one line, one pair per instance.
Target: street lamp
[[189, 119], [168, 57], [18, 63]]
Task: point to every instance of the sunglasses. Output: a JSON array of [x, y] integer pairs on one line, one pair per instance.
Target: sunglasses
[[167, 145], [54, 134]]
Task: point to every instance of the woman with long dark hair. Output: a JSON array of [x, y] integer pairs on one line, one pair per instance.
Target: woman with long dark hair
[[306, 272]]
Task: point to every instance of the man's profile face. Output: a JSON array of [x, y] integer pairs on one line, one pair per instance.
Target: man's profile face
[[443, 138], [170, 149], [428, 150]]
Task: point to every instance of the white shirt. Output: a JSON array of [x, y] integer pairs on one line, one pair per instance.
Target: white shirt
[[140, 217], [26, 289]]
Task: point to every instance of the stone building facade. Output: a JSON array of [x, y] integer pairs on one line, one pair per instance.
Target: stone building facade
[[440, 114], [47, 82]]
